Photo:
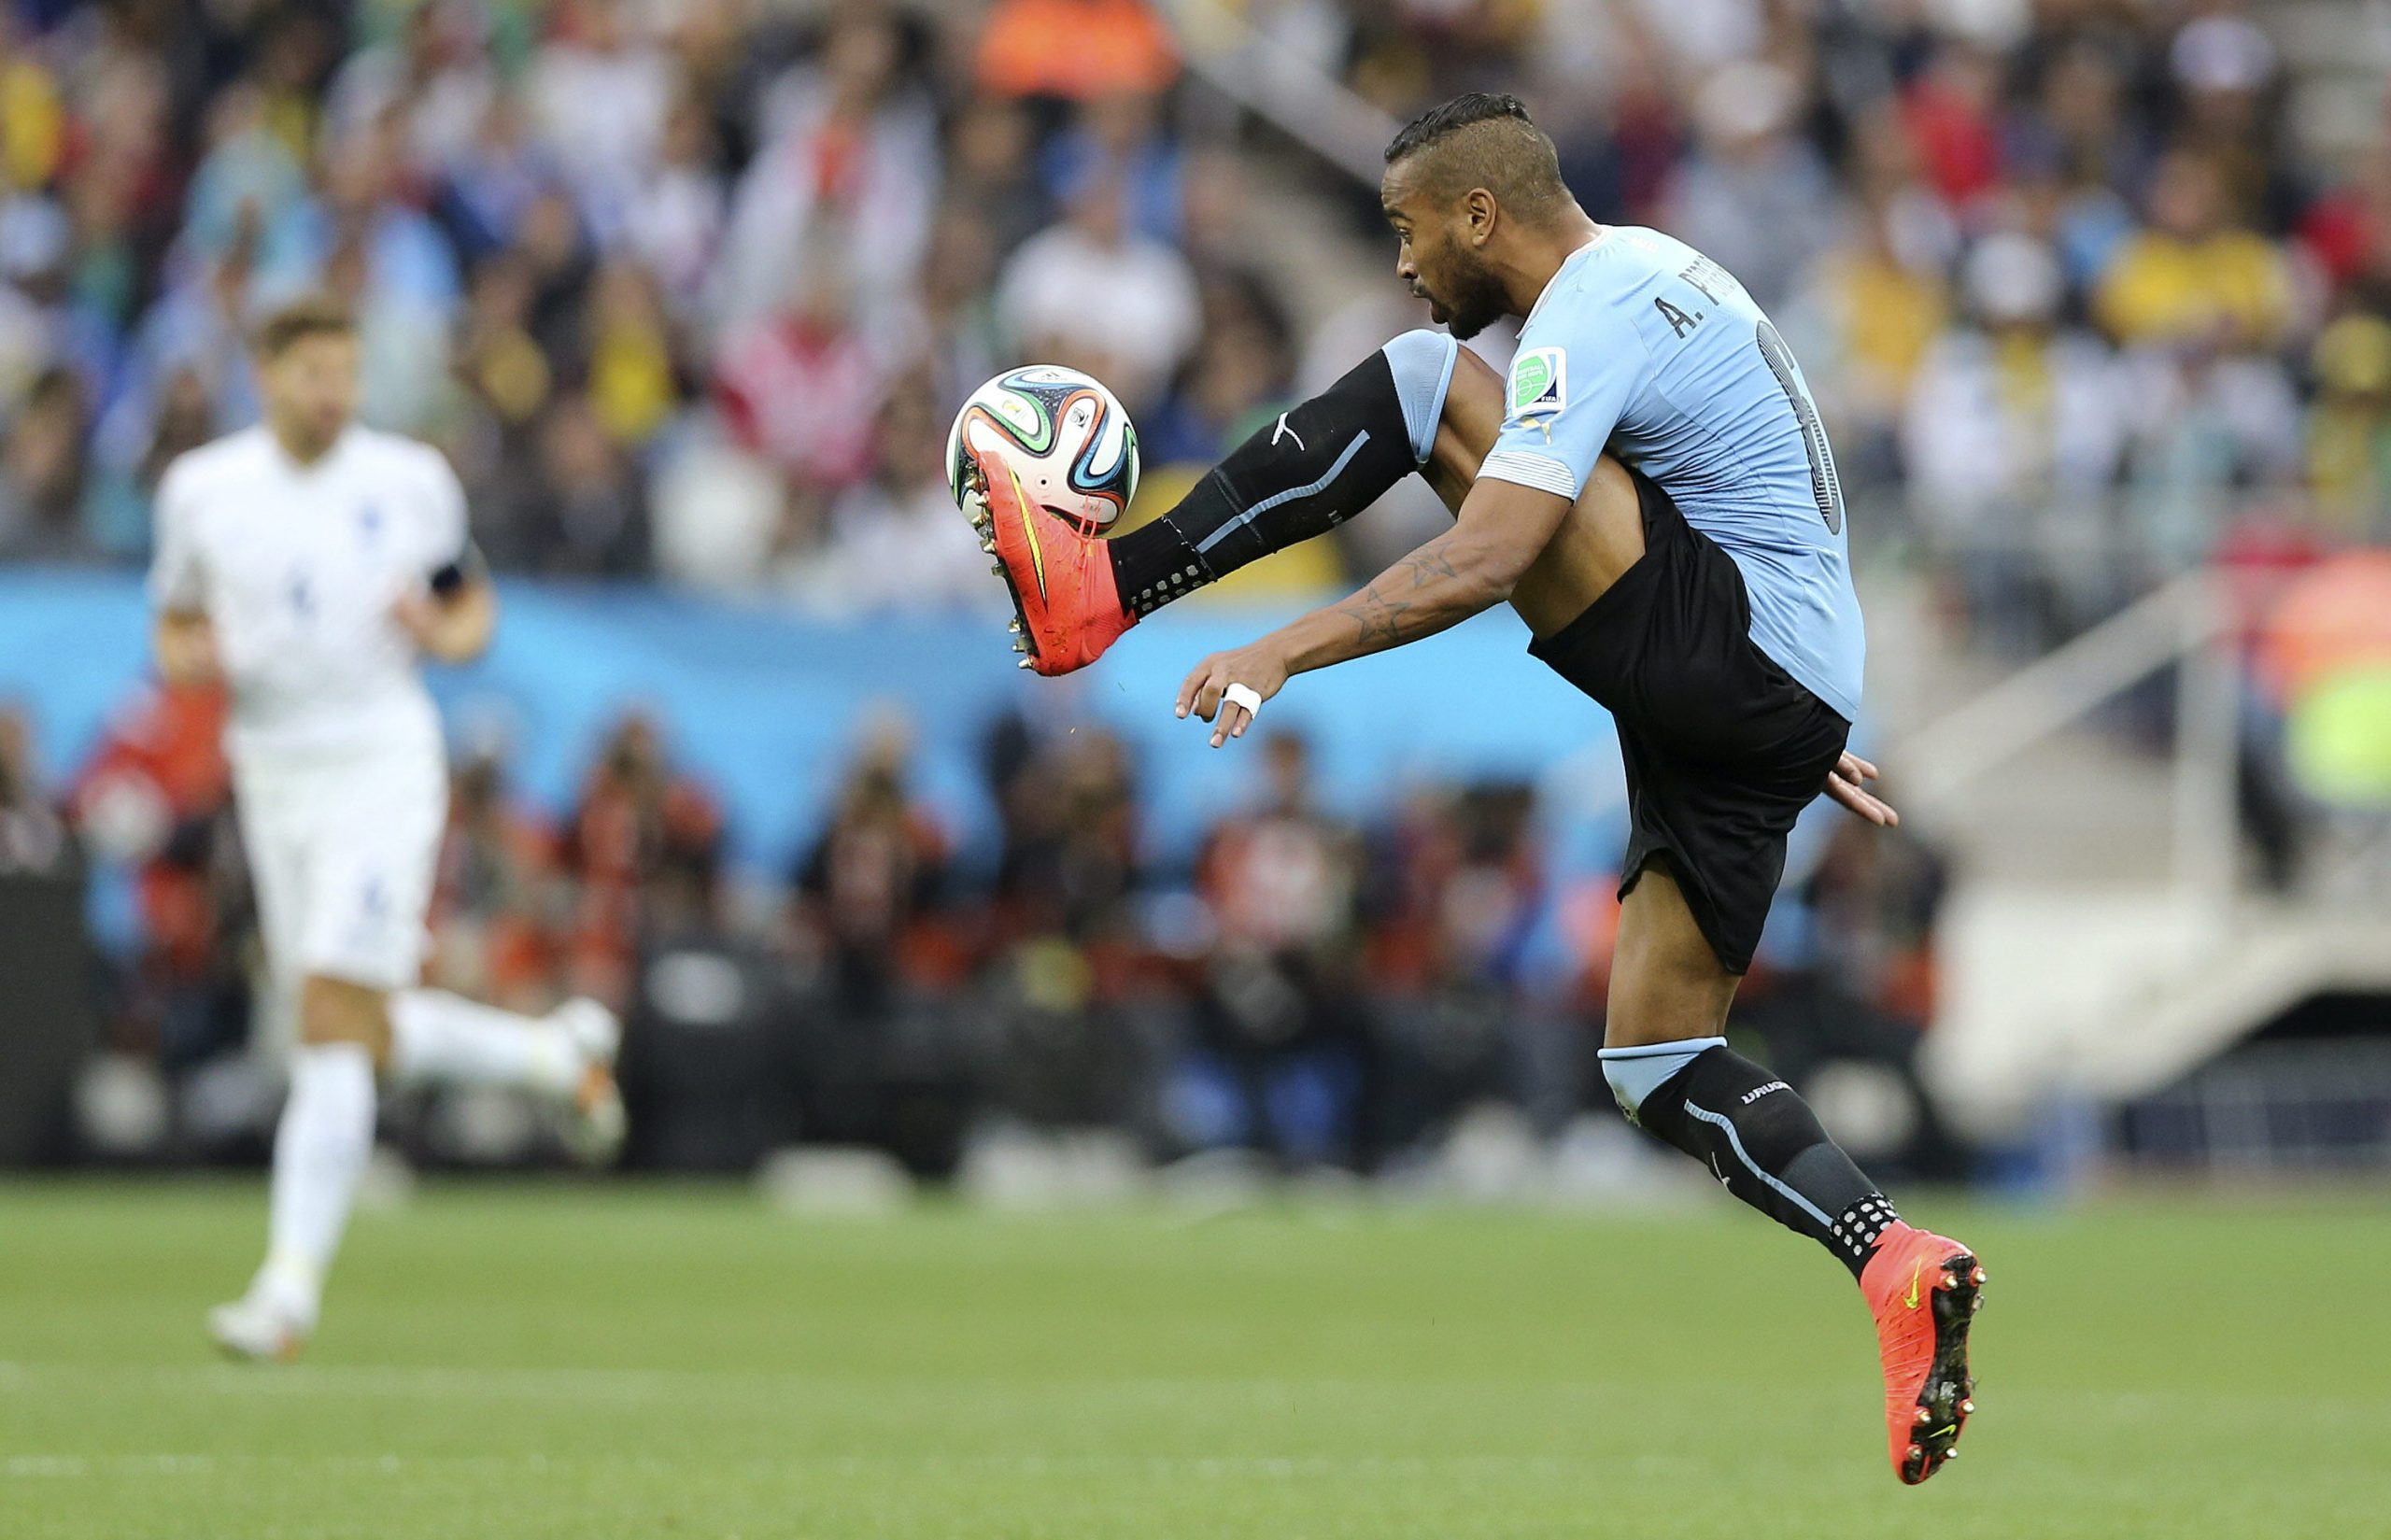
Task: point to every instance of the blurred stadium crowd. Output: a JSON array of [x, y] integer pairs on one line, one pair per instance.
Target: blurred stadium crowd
[[685, 286], [1317, 989], [686, 289]]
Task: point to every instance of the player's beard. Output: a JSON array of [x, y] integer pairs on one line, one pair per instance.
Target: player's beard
[[1474, 298], [307, 432]]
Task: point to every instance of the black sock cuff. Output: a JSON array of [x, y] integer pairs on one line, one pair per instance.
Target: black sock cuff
[[1859, 1227], [1161, 565]]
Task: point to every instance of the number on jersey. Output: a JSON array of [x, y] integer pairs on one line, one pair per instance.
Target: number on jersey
[[1824, 484]]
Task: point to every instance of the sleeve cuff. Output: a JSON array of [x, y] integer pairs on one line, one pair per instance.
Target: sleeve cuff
[[1541, 471]]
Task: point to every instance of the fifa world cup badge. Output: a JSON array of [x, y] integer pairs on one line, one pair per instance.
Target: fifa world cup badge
[[1540, 387]]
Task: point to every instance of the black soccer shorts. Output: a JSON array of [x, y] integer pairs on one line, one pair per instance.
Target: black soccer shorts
[[1722, 747]]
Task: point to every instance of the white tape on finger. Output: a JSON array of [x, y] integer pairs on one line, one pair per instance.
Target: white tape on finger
[[1246, 696]]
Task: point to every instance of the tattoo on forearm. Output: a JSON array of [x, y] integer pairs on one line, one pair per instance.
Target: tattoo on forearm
[[1384, 621], [1379, 619], [1436, 585], [1429, 564]]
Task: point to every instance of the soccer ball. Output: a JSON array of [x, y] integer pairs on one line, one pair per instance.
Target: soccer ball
[[1062, 433]]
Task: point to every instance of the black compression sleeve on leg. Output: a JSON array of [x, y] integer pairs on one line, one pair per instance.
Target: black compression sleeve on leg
[[1314, 467], [1761, 1140]]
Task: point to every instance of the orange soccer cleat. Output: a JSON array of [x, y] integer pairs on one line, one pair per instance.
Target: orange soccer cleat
[[1924, 1291], [1067, 604]]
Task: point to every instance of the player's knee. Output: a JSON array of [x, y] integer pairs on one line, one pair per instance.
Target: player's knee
[[1471, 417], [336, 1010], [1422, 363], [1635, 1071], [1667, 998]]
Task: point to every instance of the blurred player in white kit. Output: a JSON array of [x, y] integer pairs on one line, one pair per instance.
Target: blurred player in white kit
[[309, 561]]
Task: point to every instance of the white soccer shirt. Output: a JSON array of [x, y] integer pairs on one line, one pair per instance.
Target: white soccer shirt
[[297, 567]]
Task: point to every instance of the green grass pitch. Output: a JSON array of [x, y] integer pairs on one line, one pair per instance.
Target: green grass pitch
[[585, 1362]]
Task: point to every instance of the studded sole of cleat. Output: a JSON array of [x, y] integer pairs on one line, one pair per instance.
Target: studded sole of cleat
[[1946, 1400], [1028, 641]]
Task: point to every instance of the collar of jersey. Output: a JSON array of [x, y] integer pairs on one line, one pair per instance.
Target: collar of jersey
[[1596, 239], [313, 467]]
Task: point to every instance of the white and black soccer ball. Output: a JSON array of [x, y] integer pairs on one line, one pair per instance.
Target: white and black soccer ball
[[1061, 432]]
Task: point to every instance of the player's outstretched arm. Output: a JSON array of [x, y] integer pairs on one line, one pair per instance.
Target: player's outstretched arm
[[1502, 528]]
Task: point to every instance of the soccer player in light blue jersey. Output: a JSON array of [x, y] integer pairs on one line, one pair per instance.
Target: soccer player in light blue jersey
[[1651, 489]]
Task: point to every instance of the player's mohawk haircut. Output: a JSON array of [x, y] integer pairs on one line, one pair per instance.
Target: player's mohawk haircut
[[1470, 106], [1483, 138]]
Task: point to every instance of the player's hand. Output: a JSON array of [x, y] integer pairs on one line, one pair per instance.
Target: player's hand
[[1256, 666], [186, 648], [418, 615], [1847, 783]]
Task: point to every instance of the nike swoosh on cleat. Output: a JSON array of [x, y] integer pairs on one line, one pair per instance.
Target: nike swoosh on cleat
[[1911, 1301], [1037, 555]]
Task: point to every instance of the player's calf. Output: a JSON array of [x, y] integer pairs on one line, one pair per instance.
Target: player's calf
[[321, 1146], [566, 1056], [1319, 464], [337, 1011], [1756, 1135]]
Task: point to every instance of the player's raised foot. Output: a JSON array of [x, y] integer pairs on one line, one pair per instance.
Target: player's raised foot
[[256, 1329], [1924, 1291], [1066, 603], [595, 1123]]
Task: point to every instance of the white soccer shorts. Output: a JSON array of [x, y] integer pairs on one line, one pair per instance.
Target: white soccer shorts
[[342, 855]]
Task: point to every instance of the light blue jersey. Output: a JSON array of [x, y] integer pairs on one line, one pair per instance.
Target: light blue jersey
[[1643, 345]]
